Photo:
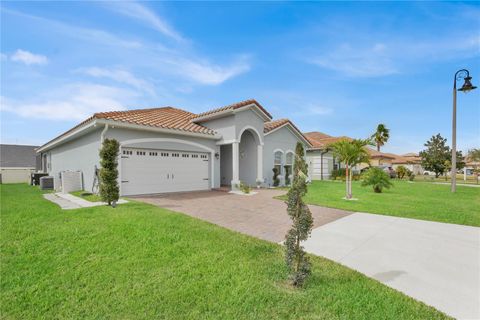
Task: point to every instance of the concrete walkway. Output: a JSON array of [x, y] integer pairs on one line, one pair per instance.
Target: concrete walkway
[[436, 263], [68, 201]]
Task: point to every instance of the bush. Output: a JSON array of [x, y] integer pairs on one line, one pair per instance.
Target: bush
[[109, 190], [245, 188], [340, 174], [401, 172], [377, 178], [337, 173], [276, 181]]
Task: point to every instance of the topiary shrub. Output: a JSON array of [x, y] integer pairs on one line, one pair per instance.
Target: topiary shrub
[[302, 222], [276, 180], [287, 175], [109, 190], [377, 178]]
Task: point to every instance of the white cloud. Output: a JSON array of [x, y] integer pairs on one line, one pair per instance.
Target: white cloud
[[371, 61], [145, 15], [28, 58], [206, 73], [71, 102], [121, 76]]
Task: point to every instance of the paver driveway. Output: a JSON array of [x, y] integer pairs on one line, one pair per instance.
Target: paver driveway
[[257, 215]]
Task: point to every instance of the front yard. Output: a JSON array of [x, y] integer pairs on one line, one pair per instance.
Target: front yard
[[417, 200], [142, 262]]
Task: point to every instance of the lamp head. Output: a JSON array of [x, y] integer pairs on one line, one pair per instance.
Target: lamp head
[[467, 85]]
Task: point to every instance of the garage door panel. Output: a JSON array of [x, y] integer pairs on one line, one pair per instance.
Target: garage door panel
[[159, 171]]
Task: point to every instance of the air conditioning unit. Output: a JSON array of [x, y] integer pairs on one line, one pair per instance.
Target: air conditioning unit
[[46, 183], [71, 181]]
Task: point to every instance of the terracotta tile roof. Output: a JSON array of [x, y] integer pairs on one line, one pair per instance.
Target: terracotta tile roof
[[271, 125], [376, 154], [166, 117], [407, 158], [320, 140], [232, 107]]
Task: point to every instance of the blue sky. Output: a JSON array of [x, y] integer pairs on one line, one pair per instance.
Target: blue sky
[[335, 67]]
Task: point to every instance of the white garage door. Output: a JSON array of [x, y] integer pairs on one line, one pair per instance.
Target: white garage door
[[147, 171]]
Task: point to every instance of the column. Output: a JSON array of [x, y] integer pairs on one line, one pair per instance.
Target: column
[[260, 163], [235, 164]]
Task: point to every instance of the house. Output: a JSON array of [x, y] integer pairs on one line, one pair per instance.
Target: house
[[17, 162], [320, 159], [411, 161], [173, 150]]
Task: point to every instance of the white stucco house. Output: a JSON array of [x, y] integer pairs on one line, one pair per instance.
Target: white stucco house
[[173, 150]]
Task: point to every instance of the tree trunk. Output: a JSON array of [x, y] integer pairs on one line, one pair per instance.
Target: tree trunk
[[347, 182], [378, 147], [350, 184]]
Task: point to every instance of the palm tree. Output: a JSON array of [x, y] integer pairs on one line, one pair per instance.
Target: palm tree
[[351, 153], [381, 136]]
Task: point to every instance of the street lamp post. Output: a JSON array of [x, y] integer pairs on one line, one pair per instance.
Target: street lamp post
[[467, 86]]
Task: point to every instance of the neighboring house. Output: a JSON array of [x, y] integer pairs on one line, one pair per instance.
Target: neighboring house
[[172, 150], [320, 159], [17, 162], [411, 161]]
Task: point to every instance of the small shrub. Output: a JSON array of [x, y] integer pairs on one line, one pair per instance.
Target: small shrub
[[276, 180], [410, 175], [245, 188], [401, 172], [337, 173], [377, 178]]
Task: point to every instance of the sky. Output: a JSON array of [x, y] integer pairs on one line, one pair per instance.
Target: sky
[[336, 67]]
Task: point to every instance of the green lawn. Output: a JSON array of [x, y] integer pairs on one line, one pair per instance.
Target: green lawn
[[141, 262], [417, 200], [87, 196]]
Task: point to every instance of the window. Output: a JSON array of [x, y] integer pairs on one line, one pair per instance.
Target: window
[[277, 161], [288, 167]]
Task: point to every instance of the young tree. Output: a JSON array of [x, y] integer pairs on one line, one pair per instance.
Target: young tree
[[302, 221], [109, 190], [474, 156], [351, 153], [381, 136], [437, 156]]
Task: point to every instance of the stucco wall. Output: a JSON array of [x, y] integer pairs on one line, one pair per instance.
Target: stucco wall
[[282, 139], [80, 154], [314, 161]]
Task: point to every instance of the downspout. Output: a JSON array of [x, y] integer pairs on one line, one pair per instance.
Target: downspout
[[321, 163], [102, 135]]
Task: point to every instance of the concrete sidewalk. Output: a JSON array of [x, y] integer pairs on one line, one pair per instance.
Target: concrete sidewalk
[[437, 263], [68, 201]]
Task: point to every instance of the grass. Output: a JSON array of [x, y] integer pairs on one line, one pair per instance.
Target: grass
[[425, 201], [471, 179], [142, 262], [87, 196]]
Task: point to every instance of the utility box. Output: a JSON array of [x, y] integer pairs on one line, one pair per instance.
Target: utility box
[[71, 181], [46, 183]]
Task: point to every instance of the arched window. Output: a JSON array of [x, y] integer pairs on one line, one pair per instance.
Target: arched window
[[277, 161]]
